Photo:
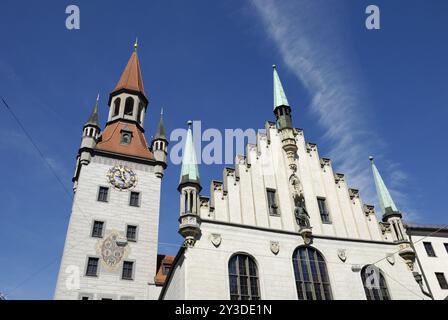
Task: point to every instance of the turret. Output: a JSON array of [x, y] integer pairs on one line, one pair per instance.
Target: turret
[[392, 216], [189, 188], [282, 112], [159, 147], [90, 134]]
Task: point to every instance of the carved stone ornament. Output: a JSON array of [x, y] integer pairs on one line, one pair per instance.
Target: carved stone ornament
[[275, 247], [216, 239], [390, 257], [112, 249], [342, 254]]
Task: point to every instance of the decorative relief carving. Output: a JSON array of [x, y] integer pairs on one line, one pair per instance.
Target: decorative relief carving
[[385, 227], [217, 185], [390, 257], [204, 202], [275, 247], [353, 193], [311, 147], [369, 210], [112, 249], [342, 254], [215, 239], [339, 177], [324, 162], [298, 131]]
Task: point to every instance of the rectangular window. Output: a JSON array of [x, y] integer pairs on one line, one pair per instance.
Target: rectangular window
[[92, 267], [429, 249], [446, 247], [131, 233], [102, 194], [442, 280], [97, 230], [128, 267], [134, 200], [165, 269], [324, 214], [272, 202]]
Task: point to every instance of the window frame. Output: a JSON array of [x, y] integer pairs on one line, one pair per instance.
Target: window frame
[[132, 271], [370, 292], [433, 252], [326, 211], [443, 282], [99, 192], [277, 205], [136, 232], [445, 244], [93, 228], [97, 267], [304, 276], [131, 114], [249, 278], [138, 200]]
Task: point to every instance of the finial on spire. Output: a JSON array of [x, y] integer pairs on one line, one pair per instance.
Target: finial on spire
[[98, 97], [189, 123], [274, 66], [161, 111], [371, 158], [136, 44]]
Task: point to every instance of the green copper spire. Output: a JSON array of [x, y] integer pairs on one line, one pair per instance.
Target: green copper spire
[[93, 119], [190, 172], [161, 133], [386, 201], [279, 94]]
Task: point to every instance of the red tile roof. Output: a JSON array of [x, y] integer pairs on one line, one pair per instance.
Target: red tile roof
[[111, 141], [131, 78], [162, 261]]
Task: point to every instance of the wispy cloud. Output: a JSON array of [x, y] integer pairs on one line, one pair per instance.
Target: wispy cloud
[[311, 41]]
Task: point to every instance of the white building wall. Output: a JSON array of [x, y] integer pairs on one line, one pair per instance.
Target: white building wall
[[431, 265], [206, 270], [116, 213]]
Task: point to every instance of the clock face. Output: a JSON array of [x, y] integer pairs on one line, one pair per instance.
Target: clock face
[[121, 177]]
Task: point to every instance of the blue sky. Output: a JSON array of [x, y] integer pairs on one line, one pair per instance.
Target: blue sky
[[355, 92]]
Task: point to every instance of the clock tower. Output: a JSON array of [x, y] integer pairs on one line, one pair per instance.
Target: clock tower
[[110, 250]]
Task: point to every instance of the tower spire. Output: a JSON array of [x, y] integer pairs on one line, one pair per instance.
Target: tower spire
[[131, 79], [190, 171], [161, 132], [93, 119], [386, 202], [279, 93]]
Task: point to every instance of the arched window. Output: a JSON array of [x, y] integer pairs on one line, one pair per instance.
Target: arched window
[[311, 274], [374, 283], [129, 106], [140, 112], [243, 277], [116, 107]]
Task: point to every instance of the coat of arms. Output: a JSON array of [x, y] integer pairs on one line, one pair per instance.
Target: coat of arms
[[112, 250], [216, 239], [342, 254], [390, 258], [275, 247]]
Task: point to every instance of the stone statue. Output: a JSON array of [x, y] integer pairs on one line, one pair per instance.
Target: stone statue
[[302, 217]]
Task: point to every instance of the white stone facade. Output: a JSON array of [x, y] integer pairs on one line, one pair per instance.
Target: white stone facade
[[237, 214], [203, 270], [438, 240], [116, 214]]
